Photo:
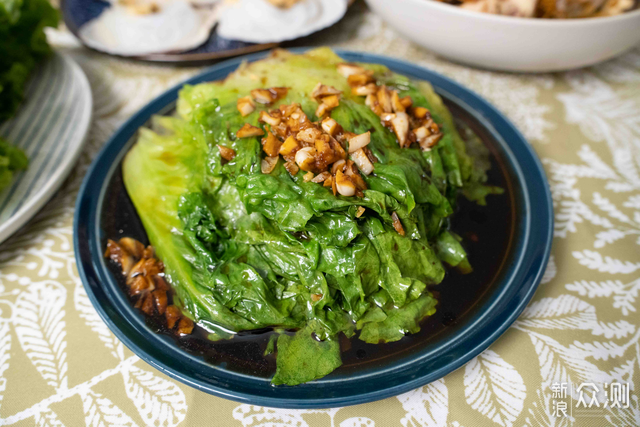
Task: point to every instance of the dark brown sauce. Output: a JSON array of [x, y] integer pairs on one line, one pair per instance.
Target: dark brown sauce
[[487, 232]]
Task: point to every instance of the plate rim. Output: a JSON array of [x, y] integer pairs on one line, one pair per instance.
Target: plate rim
[[36, 202], [487, 114]]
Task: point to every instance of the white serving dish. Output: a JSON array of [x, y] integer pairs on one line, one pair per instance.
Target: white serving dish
[[510, 43]]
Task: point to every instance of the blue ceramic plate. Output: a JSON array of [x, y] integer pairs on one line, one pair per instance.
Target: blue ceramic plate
[[508, 288]]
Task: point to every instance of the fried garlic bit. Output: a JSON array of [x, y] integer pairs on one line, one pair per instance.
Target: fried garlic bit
[[226, 153], [268, 164], [246, 106], [247, 131], [144, 276], [410, 124], [397, 224], [269, 96], [327, 97]]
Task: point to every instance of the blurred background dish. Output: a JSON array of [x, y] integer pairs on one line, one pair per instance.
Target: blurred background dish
[[260, 21], [139, 28], [77, 13], [510, 43], [50, 127], [143, 28], [23, 47], [45, 111], [558, 9]]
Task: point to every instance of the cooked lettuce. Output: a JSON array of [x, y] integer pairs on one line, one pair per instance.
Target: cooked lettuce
[[302, 358], [246, 250]]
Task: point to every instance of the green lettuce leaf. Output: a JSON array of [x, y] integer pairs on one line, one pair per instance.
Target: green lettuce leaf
[[12, 159], [398, 321], [302, 358], [450, 250]]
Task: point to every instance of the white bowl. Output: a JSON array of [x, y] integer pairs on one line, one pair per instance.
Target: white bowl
[[510, 43]]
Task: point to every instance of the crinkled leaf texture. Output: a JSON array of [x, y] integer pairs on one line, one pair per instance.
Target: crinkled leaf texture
[[246, 250]]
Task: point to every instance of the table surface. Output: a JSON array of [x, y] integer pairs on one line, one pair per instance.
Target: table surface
[[60, 365]]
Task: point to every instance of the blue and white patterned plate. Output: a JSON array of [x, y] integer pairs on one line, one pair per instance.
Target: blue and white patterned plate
[[50, 127]]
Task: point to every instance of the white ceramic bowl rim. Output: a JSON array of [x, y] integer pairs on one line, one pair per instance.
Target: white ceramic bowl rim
[[530, 21]]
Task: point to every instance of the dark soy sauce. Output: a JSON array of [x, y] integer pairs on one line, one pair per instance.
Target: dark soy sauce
[[487, 233], [243, 353]]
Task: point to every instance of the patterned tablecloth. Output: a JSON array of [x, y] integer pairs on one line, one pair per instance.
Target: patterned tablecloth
[[60, 365]]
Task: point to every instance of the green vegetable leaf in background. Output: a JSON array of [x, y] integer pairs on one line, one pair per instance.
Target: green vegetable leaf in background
[[22, 45], [12, 159]]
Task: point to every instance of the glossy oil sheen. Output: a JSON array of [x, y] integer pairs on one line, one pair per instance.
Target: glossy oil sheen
[[487, 232], [489, 313]]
